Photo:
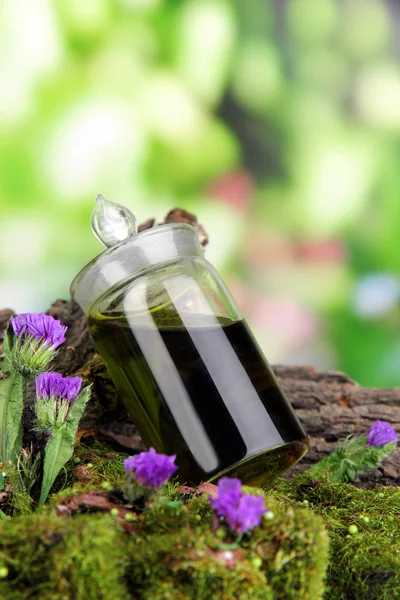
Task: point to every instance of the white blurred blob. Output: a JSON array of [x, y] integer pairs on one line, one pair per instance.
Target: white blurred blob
[[376, 294], [15, 95], [23, 242], [205, 39], [30, 48], [87, 16], [31, 292], [336, 182], [97, 144], [225, 226], [377, 96], [169, 110], [21, 296]]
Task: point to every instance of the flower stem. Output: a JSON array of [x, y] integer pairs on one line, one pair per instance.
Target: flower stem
[[233, 546]]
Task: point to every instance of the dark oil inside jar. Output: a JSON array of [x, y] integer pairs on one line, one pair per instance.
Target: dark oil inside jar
[[203, 392]]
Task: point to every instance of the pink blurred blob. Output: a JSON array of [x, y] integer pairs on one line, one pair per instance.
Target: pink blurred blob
[[284, 320], [235, 189]]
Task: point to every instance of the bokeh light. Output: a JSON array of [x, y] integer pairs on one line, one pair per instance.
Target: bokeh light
[[277, 123]]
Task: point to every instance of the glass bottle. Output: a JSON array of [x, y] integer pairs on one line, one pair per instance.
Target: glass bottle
[[184, 361]]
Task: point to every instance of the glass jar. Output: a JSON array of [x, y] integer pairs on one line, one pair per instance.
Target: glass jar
[[184, 361]]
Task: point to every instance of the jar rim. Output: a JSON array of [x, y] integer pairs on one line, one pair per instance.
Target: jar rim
[[133, 241]]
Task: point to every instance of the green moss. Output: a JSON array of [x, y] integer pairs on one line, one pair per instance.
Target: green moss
[[278, 560], [365, 564], [14, 500], [57, 559], [170, 553], [107, 464]]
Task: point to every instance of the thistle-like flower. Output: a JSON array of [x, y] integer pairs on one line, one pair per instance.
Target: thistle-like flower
[[41, 327], [59, 408], [359, 454], [381, 433], [54, 395], [150, 468], [38, 337], [242, 511]]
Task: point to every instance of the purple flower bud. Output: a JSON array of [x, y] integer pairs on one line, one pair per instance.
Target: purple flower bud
[[54, 385], [241, 511], [151, 469], [19, 324], [42, 327], [381, 433]]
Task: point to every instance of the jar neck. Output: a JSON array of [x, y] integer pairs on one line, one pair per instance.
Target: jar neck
[[132, 256]]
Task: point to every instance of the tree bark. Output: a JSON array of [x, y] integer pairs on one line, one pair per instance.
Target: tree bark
[[329, 405]]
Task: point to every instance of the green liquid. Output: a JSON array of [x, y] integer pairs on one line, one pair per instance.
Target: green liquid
[[203, 392]]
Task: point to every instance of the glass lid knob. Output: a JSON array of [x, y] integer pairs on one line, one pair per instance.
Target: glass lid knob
[[111, 222]]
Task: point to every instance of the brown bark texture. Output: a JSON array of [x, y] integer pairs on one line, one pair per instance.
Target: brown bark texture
[[329, 405]]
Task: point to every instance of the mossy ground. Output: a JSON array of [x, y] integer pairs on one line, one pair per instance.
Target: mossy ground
[[172, 552], [364, 561]]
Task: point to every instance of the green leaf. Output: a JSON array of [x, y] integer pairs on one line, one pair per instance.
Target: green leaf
[[5, 391], [352, 457], [14, 416], [175, 503], [11, 408], [60, 447], [12, 394], [76, 411]]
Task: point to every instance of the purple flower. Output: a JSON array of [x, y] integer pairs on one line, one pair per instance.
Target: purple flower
[[247, 513], [41, 326], [229, 494], [241, 511], [54, 385], [381, 433], [151, 469]]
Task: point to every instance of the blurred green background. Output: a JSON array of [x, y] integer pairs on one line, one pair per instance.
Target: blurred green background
[[277, 123]]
